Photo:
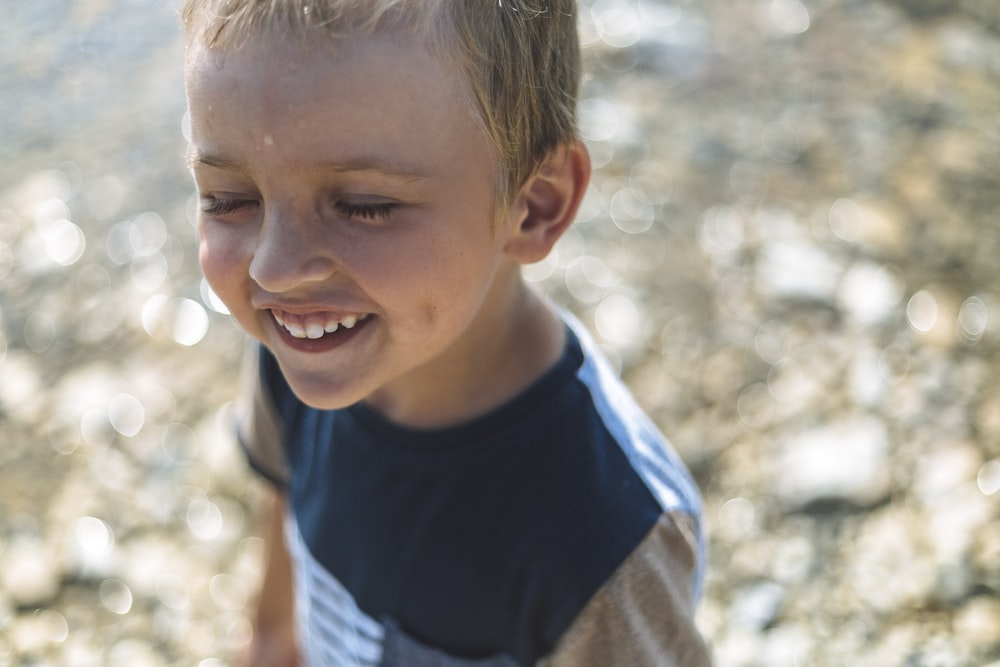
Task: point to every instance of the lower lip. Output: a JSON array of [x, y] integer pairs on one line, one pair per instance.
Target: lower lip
[[331, 341]]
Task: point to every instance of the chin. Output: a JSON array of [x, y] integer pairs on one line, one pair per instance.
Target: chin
[[322, 393]]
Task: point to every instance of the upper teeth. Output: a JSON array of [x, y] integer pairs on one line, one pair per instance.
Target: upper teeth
[[314, 329]]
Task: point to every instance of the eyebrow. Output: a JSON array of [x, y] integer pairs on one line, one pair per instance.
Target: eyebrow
[[363, 164]]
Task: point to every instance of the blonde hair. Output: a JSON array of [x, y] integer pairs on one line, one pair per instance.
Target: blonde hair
[[520, 58]]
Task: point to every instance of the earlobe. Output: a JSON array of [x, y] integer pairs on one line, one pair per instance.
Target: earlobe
[[547, 203]]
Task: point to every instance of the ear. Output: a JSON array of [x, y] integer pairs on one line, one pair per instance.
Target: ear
[[547, 202]]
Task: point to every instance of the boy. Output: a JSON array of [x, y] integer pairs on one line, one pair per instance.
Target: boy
[[459, 479]]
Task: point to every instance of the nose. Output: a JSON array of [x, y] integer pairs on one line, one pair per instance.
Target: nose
[[290, 252]]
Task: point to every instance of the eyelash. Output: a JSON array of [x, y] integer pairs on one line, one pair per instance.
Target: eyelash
[[216, 206], [366, 211]]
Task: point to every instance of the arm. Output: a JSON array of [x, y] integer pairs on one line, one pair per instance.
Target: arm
[[273, 643], [644, 615]]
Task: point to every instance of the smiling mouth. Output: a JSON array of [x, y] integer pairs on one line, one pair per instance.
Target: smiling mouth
[[316, 325]]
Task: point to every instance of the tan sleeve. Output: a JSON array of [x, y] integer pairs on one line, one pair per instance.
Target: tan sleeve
[[643, 615], [258, 427]]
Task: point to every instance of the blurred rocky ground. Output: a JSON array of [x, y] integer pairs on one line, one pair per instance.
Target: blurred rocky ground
[[790, 248]]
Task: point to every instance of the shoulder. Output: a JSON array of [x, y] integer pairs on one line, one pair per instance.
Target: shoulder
[[619, 513], [648, 452], [644, 613]]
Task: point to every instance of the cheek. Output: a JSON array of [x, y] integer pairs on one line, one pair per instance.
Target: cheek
[[222, 253]]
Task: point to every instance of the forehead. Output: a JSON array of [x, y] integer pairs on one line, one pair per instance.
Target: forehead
[[321, 101], [232, 21]]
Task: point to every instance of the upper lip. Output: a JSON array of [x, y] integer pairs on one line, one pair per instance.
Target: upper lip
[[308, 308]]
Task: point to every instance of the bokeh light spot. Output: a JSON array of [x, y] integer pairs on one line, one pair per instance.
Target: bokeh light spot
[[126, 414], [115, 596], [588, 279], [737, 517], [659, 14], [617, 318], [64, 242], [93, 536], [149, 271], [922, 311], [55, 626], [988, 478], [599, 120], [790, 16], [63, 433], [973, 318], [869, 292], [147, 233], [211, 299], [204, 519], [172, 590], [190, 322], [617, 23], [894, 363], [40, 331], [844, 218], [6, 260], [631, 211], [180, 443]]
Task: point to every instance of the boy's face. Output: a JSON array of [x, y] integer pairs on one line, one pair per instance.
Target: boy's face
[[346, 188]]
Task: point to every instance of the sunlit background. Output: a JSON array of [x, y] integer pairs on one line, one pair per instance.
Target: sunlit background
[[790, 249]]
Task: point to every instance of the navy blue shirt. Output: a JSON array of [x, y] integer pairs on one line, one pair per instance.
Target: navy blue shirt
[[478, 542]]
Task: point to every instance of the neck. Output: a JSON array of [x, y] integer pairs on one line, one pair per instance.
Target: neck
[[513, 342]]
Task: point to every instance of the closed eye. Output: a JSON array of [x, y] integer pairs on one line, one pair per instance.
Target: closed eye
[[366, 210], [218, 206]]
